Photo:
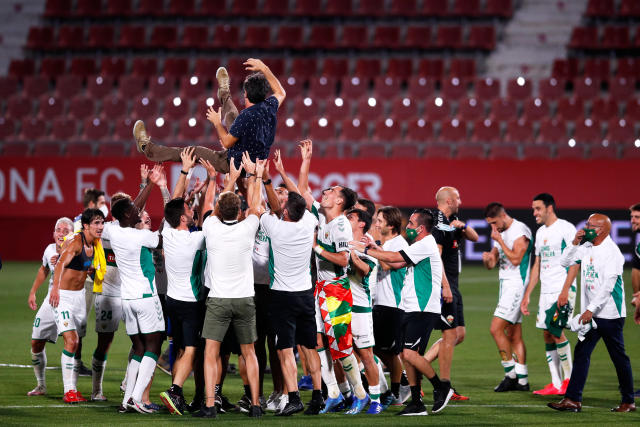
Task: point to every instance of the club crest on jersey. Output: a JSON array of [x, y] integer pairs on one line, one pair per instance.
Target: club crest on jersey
[[450, 319], [326, 235], [545, 241], [66, 324]]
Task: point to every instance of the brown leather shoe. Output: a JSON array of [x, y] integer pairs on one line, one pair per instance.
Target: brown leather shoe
[[625, 407], [566, 405], [140, 135]]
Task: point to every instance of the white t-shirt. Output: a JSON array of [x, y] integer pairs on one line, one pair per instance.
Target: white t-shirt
[[132, 249], [390, 282], [423, 281], [49, 252], [361, 285], [183, 258], [602, 288], [111, 282], [509, 272], [550, 244], [333, 237], [260, 258], [229, 249], [290, 250]]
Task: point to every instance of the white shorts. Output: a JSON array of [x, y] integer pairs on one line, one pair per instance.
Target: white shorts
[[362, 329], [511, 293], [547, 300], [143, 316], [44, 325], [108, 313], [71, 314], [319, 321]]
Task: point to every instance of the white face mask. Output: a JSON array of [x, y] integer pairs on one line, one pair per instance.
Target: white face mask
[[105, 210]]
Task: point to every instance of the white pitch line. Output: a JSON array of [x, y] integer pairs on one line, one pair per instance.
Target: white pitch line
[[13, 365], [470, 405]]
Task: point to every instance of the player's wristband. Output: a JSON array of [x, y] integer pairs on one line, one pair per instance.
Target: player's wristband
[[267, 182], [183, 172], [249, 175], [464, 227], [318, 249]]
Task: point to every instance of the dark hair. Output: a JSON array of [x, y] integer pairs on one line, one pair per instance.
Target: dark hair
[[119, 196], [425, 217], [369, 206], [349, 197], [547, 199], [229, 206], [295, 206], [173, 210], [91, 195], [493, 210], [362, 216], [119, 208], [393, 217], [257, 87], [89, 215], [635, 207]]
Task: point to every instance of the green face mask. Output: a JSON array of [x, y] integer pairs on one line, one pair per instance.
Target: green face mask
[[590, 234], [412, 233]]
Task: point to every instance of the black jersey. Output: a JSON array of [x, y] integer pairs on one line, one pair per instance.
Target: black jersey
[[635, 257], [449, 238]]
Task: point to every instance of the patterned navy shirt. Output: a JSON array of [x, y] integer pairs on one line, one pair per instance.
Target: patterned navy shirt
[[255, 128]]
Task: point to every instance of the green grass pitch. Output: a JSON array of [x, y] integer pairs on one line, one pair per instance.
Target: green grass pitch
[[476, 370]]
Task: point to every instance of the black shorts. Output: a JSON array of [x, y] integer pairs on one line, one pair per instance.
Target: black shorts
[[262, 298], [452, 315], [186, 322], [417, 327], [387, 328], [292, 319]]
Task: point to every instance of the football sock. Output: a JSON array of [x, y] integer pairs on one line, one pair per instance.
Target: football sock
[[564, 353], [349, 364], [383, 380], [509, 370], [345, 389], [39, 362], [522, 374], [374, 393], [294, 397], [435, 382], [247, 390], [554, 364], [145, 372], [98, 364], [416, 394], [328, 376], [76, 372], [68, 364], [132, 375], [403, 379], [395, 389]]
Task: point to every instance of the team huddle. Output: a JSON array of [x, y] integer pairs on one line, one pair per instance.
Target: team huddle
[[332, 280]]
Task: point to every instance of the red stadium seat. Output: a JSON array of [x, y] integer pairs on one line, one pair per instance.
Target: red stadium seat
[[449, 37], [437, 108], [354, 36], [50, 107], [70, 37], [604, 109], [322, 129], [100, 86], [337, 109], [586, 88], [403, 8], [57, 9], [275, 7], [421, 87], [600, 8], [370, 150], [519, 88], [535, 109], [615, 38], [113, 66], [293, 86], [164, 37], [33, 130], [565, 151], [400, 67], [47, 149], [144, 67], [19, 106], [550, 89], [597, 69], [386, 87], [114, 149], [570, 109], [322, 37], [303, 68], [145, 108], [487, 88], [88, 8], [211, 8], [470, 109], [499, 150], [289, 37], [149, 8], [603, 150], [632, 109], [79, 149], [118, 8], [289, 129], [470, 151], [181, 8], [195, 37], [431, 68], [8, 86], [631, 152], [387, 129], [16, 149], [368, 67], [419, 130], [7, 129], [354, 130], [336, 8], [386, 37], [503, 109], [405, 151], [206, 67], [434, 8], [353, 87], [437, 151], [454, 88], [463, 68], [160, 128], [322, 87], [552, 131], [335, 67], [621, 88], [52, 67], [418, 37], [95, 129], [565, 68], [465, 8], [63, 129], [101, 37], [620, 131], [176, 67], [404, 107], [519, 131], [191, 129], [175, 108], [81, 107], [584, 38], [482, 37], [371, 8], [369, 108], [486, 131], [629, 8], [22, 67], [35, 86], [453, 131], [332, 151], [500, 8], [193, 86], [257, 37], [587, 131], [123, 130], [132, 37], [541, 152], [244, 7], [40, 38], [226, 36], [306, 108], [114, 107], [83, 66]]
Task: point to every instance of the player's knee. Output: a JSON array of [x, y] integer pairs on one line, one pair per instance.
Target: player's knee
[[37, 345], [460, 336]]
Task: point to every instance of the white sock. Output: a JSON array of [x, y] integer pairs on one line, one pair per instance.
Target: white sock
[[522, 373], [67, 362], [374, 393], [564, 353], [97, 373], [384, 386], [329, 378], [132, 374], [349, 364], [509, 370], [76, 372], [554, 366], [39, 362], [145, 373], [345, 389]]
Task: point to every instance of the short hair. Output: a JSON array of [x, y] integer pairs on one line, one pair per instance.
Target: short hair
[[635, 207], [425, 217], [493, 210], [119, 208], [64, 220], [119, 196], [91, 195], [362, 216], [229, 206], [295, 206], [89, 215], [349, 197], [369, 206], [547, 199], [257, 87], [393, 217], [173, 210]]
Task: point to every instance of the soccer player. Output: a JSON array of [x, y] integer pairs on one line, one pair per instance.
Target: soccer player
[[552, 238], [333, 294], [144, 321], [635, 264], [67, 296], [252, 130], [44, 325], [600, 263], [424, 287], [449, 233], [511, 252]]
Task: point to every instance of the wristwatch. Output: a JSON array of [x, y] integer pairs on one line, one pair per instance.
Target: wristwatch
[[267, 182]]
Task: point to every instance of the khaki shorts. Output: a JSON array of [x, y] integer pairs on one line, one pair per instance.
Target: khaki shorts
[[239, 312]]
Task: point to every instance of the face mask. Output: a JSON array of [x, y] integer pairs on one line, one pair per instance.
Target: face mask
[[412, 233], [590, 234], [105, 210]]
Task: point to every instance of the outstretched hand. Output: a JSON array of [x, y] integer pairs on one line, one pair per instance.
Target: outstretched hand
[[253, 64], [214, 116], [157, 176], [306, 149], [144, 172], [277, 162], [188, 158], [211, 171], [248, 165], [234, 173]]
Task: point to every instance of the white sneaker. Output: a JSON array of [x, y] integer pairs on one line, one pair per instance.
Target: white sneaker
[[138, 406], [272, 401], [98, 397], [405, 393], [40, 390], [282, 402]]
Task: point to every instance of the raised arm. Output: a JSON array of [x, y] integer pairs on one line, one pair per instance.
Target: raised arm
[[306, 150], [277, 162], [188, 161], [145, 188], [68, 252], [255, 181], [272, 197], [210, 195], [257, 65], [158, 177], [226, 139]]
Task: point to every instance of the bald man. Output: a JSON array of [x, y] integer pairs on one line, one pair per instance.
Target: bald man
[[602, 298], [449, 232]]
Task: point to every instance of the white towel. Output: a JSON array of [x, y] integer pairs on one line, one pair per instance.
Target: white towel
[[581, 328]]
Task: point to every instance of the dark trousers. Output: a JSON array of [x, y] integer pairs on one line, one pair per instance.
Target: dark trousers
[[610, 330]]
